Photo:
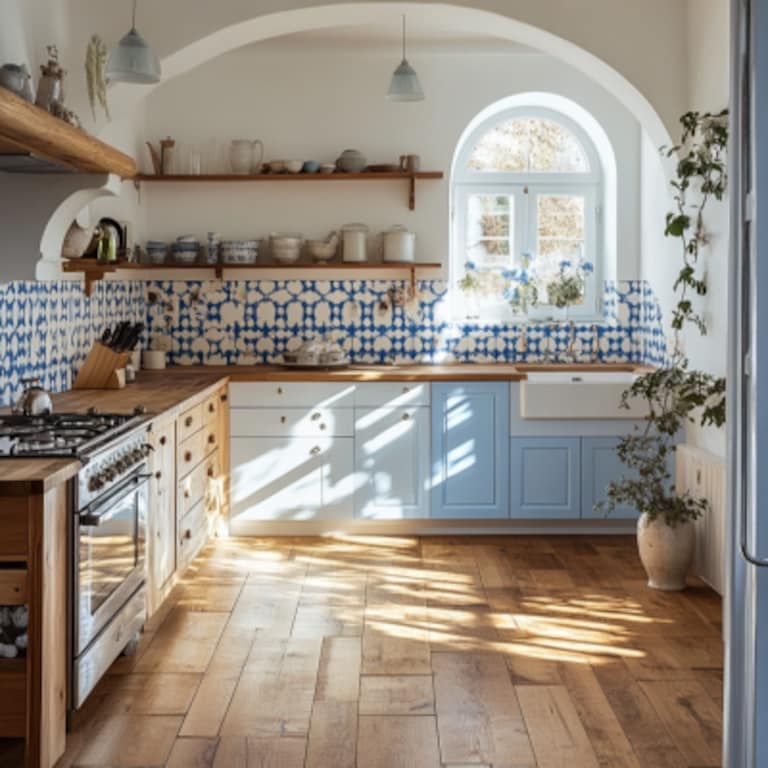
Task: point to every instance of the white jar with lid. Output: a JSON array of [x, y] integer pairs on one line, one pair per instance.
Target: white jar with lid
[[399, 244], [354, 240]]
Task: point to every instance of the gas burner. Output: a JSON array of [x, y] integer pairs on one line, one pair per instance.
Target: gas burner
[[61, 434]]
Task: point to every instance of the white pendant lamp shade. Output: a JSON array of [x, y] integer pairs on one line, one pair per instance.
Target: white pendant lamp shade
[[133, 61], [405, 85]]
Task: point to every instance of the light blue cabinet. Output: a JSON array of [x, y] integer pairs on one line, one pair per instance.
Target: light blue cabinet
[[545, 477], [599, 466], [470, 450]]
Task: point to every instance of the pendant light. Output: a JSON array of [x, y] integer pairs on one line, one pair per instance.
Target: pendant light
[[133, 61], [405, 85]]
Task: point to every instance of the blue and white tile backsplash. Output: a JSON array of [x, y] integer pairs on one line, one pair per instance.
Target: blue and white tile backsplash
[[255, 321], [47, 328]]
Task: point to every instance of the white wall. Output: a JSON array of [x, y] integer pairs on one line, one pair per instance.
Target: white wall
[[708, 70], [312, 105]]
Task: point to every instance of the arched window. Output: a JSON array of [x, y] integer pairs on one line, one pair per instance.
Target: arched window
[[527, 194]]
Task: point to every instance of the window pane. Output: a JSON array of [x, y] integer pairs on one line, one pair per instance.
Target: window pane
[[490, 230], [560, 234], [529, 144]]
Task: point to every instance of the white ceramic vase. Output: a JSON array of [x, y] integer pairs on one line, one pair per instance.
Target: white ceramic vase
[[665, 552]]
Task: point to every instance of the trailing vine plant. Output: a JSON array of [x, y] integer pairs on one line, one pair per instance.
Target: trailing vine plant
[[675, 394]]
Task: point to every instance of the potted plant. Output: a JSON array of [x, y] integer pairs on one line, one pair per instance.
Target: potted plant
[[674, 394]]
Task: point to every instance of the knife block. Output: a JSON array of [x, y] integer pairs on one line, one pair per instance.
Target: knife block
[[100, 369]]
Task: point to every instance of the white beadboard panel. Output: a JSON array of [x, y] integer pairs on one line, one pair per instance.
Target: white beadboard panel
[[702, 474]]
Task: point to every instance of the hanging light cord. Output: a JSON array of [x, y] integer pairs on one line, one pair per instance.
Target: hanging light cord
[[133, 17], [403, 36]]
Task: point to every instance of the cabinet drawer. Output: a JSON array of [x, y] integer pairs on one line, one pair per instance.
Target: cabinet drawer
[[296, 422], [192, 536], [193, 487], [211, 407], [293, 394], [13, 586], [392, 394], [190, 421], [190, 453]]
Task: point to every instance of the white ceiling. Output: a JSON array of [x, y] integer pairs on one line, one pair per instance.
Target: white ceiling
[[422, 38]]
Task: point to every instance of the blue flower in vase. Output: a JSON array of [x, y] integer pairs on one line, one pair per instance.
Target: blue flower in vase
[[565, 264], [470, 266], [588, 267]]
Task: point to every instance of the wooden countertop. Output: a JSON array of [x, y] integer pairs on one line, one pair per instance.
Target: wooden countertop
[[448, 372], [171, 391]]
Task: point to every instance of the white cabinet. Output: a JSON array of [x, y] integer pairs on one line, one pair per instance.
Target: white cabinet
[[290, 478], [392, 447]]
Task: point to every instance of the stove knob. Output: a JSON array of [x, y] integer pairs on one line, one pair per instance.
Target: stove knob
[[145, 449], [110, 472], [95, 483]]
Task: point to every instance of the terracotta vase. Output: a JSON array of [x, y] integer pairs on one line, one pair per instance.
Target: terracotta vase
[[665, 552]]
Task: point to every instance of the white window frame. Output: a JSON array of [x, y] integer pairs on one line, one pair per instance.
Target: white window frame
[[525, 186]]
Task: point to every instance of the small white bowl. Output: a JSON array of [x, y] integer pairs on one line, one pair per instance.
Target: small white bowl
[[293, 166], [319, 250], [276, 166]]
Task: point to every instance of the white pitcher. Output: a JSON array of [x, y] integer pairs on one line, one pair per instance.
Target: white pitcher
[[245, 156]]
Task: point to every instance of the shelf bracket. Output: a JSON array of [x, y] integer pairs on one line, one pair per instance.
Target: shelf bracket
[[412, 193], [219, 271]]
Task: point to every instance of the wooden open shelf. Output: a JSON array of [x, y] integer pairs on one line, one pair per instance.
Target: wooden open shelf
[[27, 129], [94, 270], [411, 178]]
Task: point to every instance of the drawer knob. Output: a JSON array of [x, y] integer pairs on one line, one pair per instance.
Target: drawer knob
[[283, 419], [279, 390], [158, 475], [211, 407], [406, 390], [188, 534], [211, 473], [316, 416], [406, 417], [163, 440], [188, 456], [322, 426], [315, 451], [224, 398], [186, 493], [211, 439], [188, 421]]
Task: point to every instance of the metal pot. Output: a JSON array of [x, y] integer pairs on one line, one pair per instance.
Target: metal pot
[[34, 400], [399, 244]]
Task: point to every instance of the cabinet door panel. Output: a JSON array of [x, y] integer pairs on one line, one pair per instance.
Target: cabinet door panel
[[470, 450], [599, 466], [545, 477], [276, 478], [391, 463]]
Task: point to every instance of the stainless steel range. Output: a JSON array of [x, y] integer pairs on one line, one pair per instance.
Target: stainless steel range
[[109, 505]]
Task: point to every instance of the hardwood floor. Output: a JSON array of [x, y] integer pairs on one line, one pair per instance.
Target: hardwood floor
[[381, 652]]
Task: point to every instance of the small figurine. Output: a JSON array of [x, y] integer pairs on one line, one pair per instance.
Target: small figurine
[[50, 91]]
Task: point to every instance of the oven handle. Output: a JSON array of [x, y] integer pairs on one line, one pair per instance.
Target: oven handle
[[90, 518]]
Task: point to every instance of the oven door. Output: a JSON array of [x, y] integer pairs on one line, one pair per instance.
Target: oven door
[[110, 546]]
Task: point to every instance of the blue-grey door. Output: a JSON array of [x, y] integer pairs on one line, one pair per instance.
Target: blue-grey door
[[545, 477], [599, 466], [470, 449]]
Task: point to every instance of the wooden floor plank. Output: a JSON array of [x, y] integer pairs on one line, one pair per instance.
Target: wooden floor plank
[[397, 695], [192, 753], [557, 734], [691, 717], [478, 714], [153, 694], [332, 735], [209, 707], [338, 678], [402, 741], [275, 692]]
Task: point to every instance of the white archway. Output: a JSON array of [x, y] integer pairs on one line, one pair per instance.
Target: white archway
[[470, 20]]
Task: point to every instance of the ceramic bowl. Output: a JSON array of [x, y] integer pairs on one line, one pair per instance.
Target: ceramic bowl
[[293, 166], [311, 166], [156, 256], [185, 257], [276, 166], [327, 168], [320, 250]]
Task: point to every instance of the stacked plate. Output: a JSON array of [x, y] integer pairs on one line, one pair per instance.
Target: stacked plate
[[239, 251]]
